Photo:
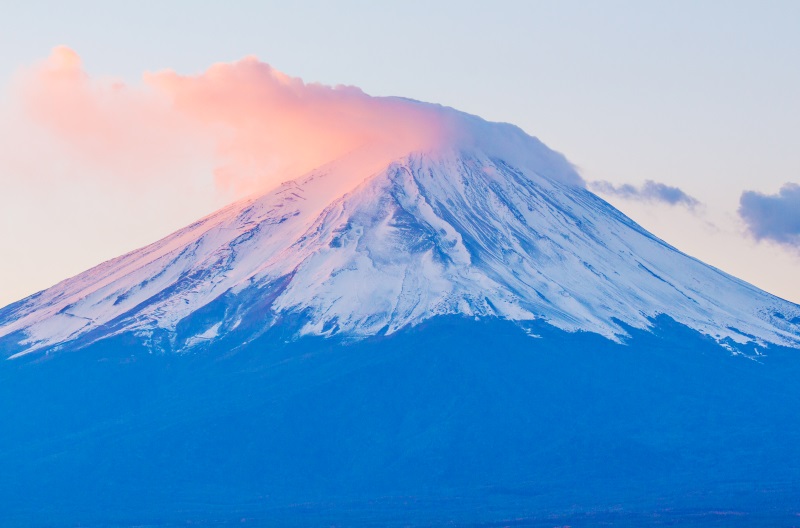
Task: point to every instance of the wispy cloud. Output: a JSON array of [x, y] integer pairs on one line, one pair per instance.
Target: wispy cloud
[[773, 217], [649, 191]]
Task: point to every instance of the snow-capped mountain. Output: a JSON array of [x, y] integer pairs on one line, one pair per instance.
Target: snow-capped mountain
[[360, 353], [496, 225]]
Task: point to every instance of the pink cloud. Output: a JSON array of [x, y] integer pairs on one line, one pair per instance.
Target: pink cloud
[[269, 123], [256, 125], [130, 132]]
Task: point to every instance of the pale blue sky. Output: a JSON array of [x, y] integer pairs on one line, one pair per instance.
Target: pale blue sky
[[701, 95]]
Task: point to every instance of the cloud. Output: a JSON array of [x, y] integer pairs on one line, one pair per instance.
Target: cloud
[[100, 118], [267, 122], [245, 123], [650, 191], [254, 125], [773, 217]]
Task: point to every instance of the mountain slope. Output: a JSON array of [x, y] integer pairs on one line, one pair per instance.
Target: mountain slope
[[458, 336], [361, 248], [453, 422]]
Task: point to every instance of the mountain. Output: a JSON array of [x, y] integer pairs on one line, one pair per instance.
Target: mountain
[[457, 335], [361, 249]]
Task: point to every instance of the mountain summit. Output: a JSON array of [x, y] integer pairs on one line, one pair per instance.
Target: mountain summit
[[493, 224], [454, 335]]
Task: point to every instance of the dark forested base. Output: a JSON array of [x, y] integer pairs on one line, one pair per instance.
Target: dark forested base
[[456, 420]]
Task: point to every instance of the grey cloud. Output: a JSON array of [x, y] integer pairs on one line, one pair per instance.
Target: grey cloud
[[773, 217], [650, 191]]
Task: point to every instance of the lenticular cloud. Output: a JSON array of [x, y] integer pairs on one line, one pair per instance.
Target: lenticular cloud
[[256, 124]]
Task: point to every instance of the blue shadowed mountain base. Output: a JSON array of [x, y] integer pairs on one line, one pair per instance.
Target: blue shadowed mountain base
[[454, 421]]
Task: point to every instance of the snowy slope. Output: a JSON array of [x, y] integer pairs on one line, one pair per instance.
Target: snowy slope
[[494, 226]]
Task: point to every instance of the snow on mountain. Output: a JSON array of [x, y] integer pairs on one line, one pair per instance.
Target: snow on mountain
[[492, 225]]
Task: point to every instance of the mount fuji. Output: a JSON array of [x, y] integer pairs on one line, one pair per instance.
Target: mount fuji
[[360, 249], [461, 333]]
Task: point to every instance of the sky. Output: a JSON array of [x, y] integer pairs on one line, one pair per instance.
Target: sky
[[684, 115]]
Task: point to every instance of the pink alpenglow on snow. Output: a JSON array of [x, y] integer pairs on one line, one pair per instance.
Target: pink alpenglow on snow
[[112, 155]]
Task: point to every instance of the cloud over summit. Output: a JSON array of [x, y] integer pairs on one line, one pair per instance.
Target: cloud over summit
[[256, 124], [252, 125], [268, 122]]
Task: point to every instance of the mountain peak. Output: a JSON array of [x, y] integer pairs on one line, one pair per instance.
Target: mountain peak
[[362, 247]]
